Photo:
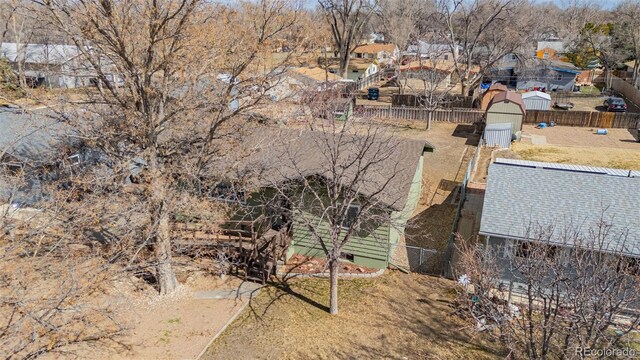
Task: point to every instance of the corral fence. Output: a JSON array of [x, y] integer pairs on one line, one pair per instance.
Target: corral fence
[[417, 259], [461, 116], [584, 119], [369, 80]]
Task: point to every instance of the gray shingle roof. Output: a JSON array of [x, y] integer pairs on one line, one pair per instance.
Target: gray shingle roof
[[279, 155], [521, 199], [31, 137]]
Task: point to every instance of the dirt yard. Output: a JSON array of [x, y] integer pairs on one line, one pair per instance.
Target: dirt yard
[[175, 327], [395, 316], [443, 172]]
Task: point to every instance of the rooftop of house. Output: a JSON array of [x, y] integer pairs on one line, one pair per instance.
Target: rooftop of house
[[39, 53], [442, 66], [426, 48], [275, 156], [553, 44], [374, 48], [507, 96], [526, 198], [354, 64], [30, 137], [316, 73]]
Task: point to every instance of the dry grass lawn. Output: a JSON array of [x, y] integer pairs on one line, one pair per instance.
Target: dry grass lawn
[[395, 316], [605, 157]]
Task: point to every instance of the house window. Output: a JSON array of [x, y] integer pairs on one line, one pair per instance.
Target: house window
[[351, 217], [355, 71], [546, 55], [346, 256], [523, 249], [74, 160], [446, 56], [513, 56], [226, 192], [629, 265], [558, 77], [14, 168]]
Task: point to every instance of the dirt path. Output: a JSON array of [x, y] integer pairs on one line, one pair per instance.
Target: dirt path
[[444, 170], [396, 316]]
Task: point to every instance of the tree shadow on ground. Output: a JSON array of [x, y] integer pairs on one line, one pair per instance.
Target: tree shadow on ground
[[468, 131]]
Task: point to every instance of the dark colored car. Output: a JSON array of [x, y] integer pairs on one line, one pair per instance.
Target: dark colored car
[[615, 104]]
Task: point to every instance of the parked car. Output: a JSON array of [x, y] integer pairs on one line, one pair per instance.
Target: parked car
[[615, 104]]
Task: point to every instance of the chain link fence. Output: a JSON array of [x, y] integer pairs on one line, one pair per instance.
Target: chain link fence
[[417, 259]]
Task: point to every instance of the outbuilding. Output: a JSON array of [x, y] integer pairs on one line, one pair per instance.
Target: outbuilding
[[536, 100], [507, 107], [498, 135], [488, 95]]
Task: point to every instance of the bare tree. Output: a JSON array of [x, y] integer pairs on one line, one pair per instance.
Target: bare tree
[[347, 19], [169, 102], [599, 40], [628, 20], [479, 33], [555, 295], [338, 182]]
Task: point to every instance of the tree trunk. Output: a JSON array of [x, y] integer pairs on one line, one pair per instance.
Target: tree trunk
[[333, 279], [344, 62], [164, 270], [635, 73], [165, 274]]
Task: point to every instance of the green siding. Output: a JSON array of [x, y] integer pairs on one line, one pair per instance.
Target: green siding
[[369, 249], [401, 217]]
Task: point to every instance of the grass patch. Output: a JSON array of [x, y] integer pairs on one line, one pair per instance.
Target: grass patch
[[627, 159], [392, 316]]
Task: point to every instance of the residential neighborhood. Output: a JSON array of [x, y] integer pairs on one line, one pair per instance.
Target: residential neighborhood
[[330, 179]]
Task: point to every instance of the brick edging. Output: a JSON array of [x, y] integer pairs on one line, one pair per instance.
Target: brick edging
[[326, 274]]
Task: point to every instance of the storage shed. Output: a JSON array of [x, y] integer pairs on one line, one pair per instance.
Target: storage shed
[[536, 100], [490, 93], [499, 135], [506, 107]]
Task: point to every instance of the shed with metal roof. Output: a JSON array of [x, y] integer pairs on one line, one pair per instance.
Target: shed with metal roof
[[498, 135], [506, 107], [536, 100]]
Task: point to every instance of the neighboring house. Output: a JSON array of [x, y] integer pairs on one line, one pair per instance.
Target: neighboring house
[[566, 202], [291, 84], [504, 71], [548, 75], [56, 66], [436, 73], [506, 108], [30, 145], [374, 38], [552, 49], [358, 69], [286, 156], [425, 50], [384, 54]]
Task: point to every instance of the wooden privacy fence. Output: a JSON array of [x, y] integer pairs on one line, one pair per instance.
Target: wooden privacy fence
[[461, 116], [584, 119]]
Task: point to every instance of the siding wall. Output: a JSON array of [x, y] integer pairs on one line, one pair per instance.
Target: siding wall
[[401, 217], [369, 249], [505, 113]]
